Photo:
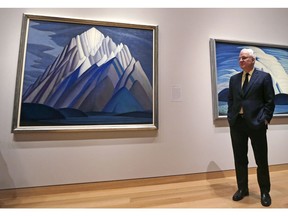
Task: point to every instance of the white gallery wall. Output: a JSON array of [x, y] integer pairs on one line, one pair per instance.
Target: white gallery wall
[[187, 140]]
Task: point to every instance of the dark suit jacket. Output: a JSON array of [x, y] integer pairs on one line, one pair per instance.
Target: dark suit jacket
[[257, 102]]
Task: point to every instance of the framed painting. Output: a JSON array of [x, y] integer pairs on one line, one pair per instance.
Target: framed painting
[[272, 59], [81, 75]]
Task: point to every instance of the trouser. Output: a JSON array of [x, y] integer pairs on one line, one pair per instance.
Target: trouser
[[240, 133]]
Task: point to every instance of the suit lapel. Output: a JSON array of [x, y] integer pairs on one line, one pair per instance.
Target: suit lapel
[[253, 78], [239, 82]]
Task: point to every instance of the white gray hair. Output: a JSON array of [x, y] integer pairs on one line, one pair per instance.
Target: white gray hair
[[249, 51]]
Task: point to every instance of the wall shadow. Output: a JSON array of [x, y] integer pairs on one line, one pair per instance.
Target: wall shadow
[[222, 187], [31, 140], [54, 136], [5, 182], [276, 120]]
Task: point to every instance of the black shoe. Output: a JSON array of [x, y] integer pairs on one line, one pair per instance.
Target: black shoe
[[265, 199], [240, 194]]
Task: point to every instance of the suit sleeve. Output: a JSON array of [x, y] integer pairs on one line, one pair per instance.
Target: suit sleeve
[[269, 96], [230, 100]]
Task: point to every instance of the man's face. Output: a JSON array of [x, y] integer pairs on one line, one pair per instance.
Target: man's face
[[246, 62]]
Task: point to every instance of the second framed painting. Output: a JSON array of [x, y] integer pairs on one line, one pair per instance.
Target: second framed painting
[[82, 75], [270, 58]]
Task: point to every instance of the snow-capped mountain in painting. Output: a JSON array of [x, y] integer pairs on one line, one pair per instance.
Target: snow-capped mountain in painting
[[93, 74]]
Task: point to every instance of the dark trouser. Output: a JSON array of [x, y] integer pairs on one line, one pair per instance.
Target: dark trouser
[[240, 133]]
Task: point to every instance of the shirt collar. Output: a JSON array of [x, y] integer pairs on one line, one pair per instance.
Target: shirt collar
[[250, 72]]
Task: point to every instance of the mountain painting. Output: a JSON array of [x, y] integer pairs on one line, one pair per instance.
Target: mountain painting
[[87, 74], [272, 59]]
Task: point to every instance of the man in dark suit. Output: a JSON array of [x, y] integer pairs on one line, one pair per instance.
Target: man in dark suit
[[250, 110]]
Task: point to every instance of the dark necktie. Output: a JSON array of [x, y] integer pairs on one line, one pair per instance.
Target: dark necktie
[[245, 84]]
